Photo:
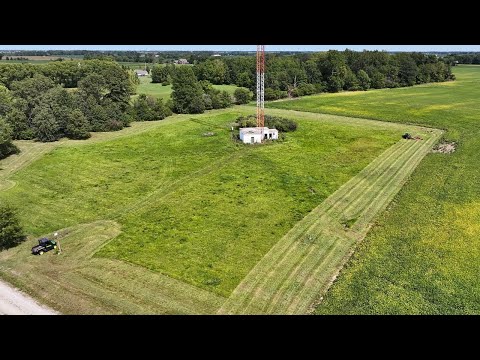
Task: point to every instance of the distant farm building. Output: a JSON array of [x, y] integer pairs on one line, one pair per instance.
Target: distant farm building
[[216, 55], [181, 61], [253, 135], [141, 72]]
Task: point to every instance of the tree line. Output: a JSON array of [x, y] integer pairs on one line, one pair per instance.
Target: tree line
[[454, 59], [331, 71], [73, 98], [64, 99]]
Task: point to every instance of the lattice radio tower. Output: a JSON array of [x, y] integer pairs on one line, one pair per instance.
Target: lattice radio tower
[[261, 86]]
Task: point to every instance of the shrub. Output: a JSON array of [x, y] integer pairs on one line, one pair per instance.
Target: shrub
[[19, 124], [187, 92], [113, 125], [242, 96], [225, 99], [308, 89], [271, 94], [11, 232], [7, 149], [77, 126], [6, 146], [276, 122], [246, 121], [279, 123], [45, 126]]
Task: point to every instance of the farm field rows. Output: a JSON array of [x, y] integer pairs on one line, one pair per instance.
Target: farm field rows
[[299, 268], [422, 257]]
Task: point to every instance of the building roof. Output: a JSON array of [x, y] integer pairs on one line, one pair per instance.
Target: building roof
[[256, 130], [141, 72]]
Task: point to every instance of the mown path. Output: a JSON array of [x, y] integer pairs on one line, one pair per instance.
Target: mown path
[[298, 270], [76, 283], [290, 279]]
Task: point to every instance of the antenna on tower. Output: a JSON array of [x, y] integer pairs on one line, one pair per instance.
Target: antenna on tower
[[261, 86]]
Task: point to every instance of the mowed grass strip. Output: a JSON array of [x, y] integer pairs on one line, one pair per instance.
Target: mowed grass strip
[[299, 268], [74, 283], [200, 229], [422, 256], [185, 200]]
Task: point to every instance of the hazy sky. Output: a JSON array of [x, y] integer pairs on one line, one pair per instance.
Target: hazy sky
[[246, 47]]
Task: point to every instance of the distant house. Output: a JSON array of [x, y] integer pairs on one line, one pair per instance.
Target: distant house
[[216, 55], [181, 61], [141, 72], [254, 135]]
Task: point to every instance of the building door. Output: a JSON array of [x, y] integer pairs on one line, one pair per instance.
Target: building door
[[252, 139]]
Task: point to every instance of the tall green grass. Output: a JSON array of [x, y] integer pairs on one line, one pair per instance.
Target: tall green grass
[[202, 209]]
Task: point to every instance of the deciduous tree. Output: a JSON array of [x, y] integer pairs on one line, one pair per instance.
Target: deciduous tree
[[187, 93], [11, 232]]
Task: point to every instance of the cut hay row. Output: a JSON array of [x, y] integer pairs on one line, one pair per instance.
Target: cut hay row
[[29, 152], [300, 267], [76, 283]]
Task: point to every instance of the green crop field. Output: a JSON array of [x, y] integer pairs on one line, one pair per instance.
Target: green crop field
[[158, 218], [135, 65], [38, 59], [423, 255], [141, 65], [298, 269], [157, 90], [174, 207], [37, 62]]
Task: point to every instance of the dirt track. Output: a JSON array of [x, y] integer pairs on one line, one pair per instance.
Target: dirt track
[[13, 302]]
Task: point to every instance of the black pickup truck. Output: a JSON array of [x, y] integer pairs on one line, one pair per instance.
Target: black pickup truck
[[43, 246]]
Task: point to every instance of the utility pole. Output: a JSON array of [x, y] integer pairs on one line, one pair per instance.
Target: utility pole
[[58, 243]]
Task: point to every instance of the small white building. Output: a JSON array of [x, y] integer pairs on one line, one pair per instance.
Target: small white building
[[181, 62], [141, 72], [253, 135]]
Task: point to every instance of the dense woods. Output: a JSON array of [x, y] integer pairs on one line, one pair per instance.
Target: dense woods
[[11, 231], [454, 59], [332, 71], [73, 98], [64, 99]]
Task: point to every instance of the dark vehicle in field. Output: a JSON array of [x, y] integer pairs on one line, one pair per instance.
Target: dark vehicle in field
[[43, 246]]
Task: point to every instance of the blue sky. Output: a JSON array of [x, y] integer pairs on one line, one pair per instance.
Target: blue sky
[[246, 47]]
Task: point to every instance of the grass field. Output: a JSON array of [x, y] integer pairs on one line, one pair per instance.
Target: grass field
[[141, 65], [158, 194], [38, 59], [299, 268], [37, 62], [135, 65], [163, 92], [423, 255], [156, 218], [75, 283]]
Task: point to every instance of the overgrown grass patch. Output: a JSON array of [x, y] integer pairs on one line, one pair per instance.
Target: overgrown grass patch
[[200, 209]]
